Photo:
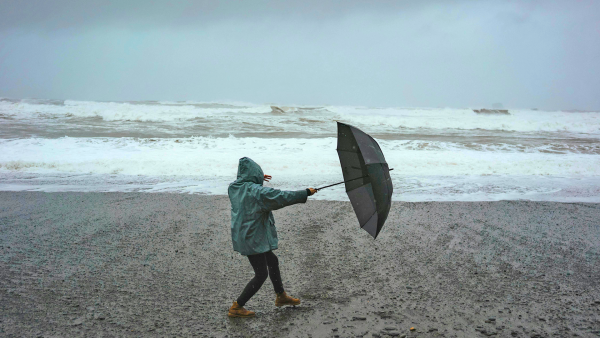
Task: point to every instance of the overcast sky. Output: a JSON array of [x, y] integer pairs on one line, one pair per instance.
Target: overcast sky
[[524, 54]]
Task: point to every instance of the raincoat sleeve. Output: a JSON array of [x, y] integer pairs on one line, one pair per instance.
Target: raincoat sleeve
[[272, 199]]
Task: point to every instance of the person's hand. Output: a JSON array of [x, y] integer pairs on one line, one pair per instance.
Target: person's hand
[[312, 191], [267, 178]]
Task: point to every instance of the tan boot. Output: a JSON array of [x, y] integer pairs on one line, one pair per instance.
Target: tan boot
[[238, 311], [283, 299]]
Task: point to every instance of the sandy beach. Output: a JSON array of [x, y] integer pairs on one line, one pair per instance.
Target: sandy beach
[[156, 265]]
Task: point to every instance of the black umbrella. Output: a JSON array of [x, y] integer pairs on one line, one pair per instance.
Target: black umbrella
[[367, 177]]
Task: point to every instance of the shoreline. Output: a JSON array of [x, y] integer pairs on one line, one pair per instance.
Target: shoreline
[[139, 264], [425, 189]]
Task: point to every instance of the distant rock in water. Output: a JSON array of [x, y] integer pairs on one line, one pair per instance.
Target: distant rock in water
[[276, 110], [579, 111], [492, 111], [281, 110]]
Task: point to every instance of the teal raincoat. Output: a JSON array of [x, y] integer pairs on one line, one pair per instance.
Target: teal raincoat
[[252, 223]]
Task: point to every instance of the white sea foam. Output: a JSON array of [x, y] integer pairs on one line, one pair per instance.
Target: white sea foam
[[205, 164], [207, 156]]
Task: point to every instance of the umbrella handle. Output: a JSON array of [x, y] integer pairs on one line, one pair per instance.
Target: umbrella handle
[[331, 185]]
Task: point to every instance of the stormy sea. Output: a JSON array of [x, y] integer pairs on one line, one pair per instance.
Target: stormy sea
[[438, 154]]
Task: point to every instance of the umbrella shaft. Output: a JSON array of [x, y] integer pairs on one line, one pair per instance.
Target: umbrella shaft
[[331, 185]]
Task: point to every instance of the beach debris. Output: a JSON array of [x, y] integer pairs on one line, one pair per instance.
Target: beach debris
[[412, 329], [359, 318], [78, 321], [483, 331]]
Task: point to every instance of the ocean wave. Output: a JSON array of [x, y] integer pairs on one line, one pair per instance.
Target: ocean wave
[[124, 111], [391, 119], [227, 117]]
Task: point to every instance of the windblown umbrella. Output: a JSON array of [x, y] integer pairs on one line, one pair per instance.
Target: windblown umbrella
[[367, 177]]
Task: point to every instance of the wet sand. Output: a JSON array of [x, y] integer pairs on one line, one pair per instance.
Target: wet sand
[[155, 265]]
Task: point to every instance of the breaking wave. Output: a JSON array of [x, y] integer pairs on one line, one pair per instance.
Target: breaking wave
[[222, 117]]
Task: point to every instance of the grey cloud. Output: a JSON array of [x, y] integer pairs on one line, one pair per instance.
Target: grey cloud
[[60, 14], [383, 53]]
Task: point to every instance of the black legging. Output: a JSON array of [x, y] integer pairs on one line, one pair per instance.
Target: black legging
[[264, 264]]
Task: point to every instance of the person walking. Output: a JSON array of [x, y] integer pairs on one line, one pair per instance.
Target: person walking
[[253, 231]]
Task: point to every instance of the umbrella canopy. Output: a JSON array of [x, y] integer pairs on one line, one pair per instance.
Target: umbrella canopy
[[367, 177]]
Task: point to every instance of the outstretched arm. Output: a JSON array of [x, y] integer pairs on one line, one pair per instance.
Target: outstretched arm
[[272, 199], [309, 191]]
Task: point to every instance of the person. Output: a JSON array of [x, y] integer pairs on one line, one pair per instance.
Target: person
[[253, 230]]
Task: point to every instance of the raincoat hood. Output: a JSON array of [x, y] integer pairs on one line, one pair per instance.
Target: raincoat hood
[[249, 171]]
